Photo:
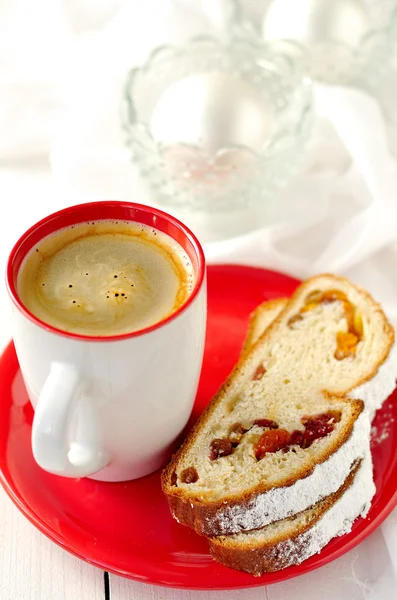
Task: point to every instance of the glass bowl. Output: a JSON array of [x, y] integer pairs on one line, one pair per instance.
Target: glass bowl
[[217, 127]]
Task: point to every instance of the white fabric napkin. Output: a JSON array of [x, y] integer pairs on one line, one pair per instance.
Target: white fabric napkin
[[338, 214]]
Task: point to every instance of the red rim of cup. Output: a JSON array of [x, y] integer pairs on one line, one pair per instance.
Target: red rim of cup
[[97, 211]]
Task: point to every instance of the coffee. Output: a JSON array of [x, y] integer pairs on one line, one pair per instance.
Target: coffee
[[105, 278]]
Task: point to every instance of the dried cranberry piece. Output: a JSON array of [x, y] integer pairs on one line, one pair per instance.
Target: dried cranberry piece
[[332, 416], [318, 426], [189, 475], [268, 423], [220, 447], [315, 433], [296, 437], [271, 440]]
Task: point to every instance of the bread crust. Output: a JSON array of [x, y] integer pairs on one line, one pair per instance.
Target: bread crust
[[258, 558], [201, 513], [276, 304]]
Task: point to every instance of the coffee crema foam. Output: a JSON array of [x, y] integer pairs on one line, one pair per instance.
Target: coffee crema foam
[[105, 278]]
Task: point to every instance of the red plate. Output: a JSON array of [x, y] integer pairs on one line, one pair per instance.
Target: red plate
[[126, 527]]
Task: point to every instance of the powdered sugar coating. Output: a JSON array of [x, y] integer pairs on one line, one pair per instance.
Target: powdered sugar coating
[[283, 502], [375, 391], [335, 522]]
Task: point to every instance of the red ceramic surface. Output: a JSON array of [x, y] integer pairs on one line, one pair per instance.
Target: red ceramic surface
[[126, 527]]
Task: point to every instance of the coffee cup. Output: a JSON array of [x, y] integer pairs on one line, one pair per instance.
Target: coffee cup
[[109, 315]]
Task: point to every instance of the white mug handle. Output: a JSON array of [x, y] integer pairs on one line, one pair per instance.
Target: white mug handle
[[62, 403]]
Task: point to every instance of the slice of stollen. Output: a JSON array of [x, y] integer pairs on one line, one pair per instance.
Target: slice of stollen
[[226, 478], [373, 392], [293, 540], [331, 319]]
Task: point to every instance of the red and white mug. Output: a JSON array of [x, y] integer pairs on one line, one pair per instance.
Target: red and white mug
[[109, 408]]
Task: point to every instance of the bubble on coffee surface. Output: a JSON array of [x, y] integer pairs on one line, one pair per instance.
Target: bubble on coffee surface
[[105, 278]]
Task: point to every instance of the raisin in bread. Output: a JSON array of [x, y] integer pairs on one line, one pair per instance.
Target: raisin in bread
[[293, 540], [236, 471]]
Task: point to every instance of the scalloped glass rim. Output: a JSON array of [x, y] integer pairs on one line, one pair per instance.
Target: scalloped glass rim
[[266, 175], [130, 118]]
